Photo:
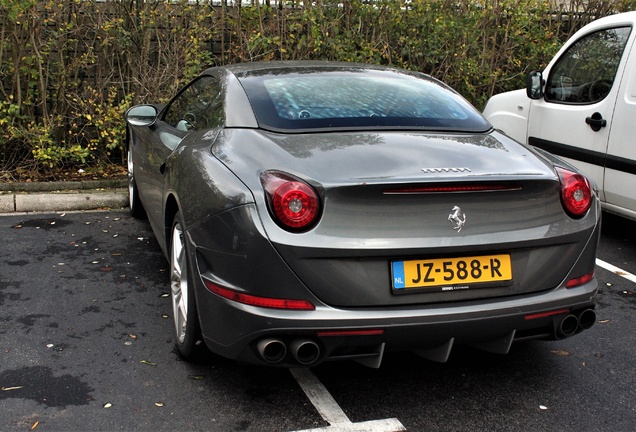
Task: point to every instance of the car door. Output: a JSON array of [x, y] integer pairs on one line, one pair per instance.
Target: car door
[[620, 171], [574, 118], [197, 107]]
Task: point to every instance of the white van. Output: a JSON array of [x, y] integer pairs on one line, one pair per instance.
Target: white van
[[583, 108]]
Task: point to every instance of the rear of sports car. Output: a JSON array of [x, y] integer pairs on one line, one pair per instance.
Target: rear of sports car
[[356, 242], [335, 263]]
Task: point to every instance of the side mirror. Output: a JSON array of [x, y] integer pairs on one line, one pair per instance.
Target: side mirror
[[142, 115], [534, 85]]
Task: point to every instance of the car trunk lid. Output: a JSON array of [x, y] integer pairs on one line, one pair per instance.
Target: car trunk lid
[[399, 197]]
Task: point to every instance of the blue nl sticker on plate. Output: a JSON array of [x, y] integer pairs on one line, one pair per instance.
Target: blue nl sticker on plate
[[398, 274]]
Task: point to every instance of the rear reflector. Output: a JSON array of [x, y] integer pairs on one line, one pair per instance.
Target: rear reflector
[[373, 332], [266, 302], [547, 314], [579, 280]]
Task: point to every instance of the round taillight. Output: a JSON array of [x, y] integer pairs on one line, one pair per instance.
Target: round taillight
[[576, 193], [294, 204]]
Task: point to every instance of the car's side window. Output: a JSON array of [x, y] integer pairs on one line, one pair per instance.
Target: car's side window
[[585, 73], [198, 107]]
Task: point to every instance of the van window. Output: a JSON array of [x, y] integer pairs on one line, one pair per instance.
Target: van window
[[585, 73]]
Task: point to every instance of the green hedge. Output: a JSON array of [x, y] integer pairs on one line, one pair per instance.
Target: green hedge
[[69, 69]]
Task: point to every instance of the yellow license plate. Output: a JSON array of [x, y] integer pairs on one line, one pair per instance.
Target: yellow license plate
[[451, 273]]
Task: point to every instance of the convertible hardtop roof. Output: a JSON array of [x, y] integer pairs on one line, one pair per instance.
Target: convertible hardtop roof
[[307, 65], [303, 96]]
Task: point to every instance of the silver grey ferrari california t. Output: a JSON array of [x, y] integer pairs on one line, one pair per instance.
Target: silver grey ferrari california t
[[317, 211]]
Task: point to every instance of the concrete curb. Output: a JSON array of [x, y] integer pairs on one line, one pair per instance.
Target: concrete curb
[[63, 196]]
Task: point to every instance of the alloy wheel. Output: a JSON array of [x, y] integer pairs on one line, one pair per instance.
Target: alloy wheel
[[131, 180], [179, 282]]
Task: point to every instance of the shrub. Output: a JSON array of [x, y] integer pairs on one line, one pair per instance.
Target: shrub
[[69, 70]]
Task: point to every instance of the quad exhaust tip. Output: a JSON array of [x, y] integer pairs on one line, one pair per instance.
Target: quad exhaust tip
[[572, 323], [271, 350], [587, 319], [304, 351], [569, 325]]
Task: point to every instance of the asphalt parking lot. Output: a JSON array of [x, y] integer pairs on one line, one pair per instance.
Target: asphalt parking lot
[[87, 344]]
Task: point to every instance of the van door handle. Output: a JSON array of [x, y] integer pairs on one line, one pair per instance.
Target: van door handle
[[596, 121]]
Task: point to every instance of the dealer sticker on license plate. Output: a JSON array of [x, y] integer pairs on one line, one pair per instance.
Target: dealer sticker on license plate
[[451, 273]]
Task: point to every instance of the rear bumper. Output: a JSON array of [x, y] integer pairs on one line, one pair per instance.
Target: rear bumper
[[307, 338], [244, 260]]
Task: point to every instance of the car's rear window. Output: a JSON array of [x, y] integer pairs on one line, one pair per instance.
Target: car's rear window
[[291, 100]]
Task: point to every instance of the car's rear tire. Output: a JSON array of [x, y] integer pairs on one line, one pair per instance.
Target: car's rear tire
[[136, 207], [184, 310]]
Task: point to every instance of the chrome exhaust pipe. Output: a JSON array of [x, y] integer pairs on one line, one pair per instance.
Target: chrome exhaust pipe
[[568, 326], [587, 319], [305, 352], [271, 350]]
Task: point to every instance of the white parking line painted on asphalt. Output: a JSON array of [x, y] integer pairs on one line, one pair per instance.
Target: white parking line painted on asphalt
[[331, 412], [616, 270]]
